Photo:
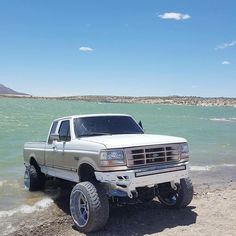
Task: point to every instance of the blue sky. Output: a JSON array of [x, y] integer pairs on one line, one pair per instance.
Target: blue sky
[[137, 48]]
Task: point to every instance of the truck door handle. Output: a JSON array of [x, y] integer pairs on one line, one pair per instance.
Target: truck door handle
[[54, 148]]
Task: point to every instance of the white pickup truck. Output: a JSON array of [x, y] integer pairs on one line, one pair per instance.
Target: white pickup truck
[[109, 158]]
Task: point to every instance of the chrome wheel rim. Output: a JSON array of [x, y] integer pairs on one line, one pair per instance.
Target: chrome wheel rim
[[81, 210], [170, 199], [26, 179]]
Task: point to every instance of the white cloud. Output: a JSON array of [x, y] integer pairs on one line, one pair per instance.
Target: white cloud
[[85, 49], [174, 16], [225, 63], [226, 45]]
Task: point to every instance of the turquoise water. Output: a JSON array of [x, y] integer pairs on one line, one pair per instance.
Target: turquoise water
[[211, 131]]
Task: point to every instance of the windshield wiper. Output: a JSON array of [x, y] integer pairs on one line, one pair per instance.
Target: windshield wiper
[[131, 132], [94, 134]]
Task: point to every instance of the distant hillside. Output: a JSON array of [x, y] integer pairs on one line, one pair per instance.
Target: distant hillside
[[7, 91]]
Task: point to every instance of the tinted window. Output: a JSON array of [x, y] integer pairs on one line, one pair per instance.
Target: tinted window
[[54, 126], [52, 131], [102, 125], [64, 131]]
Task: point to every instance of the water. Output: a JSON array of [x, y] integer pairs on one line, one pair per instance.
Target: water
[[210, 131]]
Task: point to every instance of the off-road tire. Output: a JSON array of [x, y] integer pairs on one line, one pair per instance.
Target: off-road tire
[[98, 206], [33, 179], [184, 195]]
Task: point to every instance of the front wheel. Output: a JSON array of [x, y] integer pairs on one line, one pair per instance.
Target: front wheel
[[178, 198], [89, 207]]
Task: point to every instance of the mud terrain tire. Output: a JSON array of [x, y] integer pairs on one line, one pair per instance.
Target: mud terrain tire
[[33, 179], [179, 198], [89, 206]]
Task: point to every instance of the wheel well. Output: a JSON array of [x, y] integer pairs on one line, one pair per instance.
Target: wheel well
[[86, 173], [34, 163]]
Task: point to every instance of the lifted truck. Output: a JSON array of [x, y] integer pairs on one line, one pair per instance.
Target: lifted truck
[[108, 158]]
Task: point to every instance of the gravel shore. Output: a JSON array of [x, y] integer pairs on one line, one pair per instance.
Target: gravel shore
[[212, 212]]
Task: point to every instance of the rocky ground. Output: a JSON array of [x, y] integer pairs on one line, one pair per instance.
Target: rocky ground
[[212, 212]]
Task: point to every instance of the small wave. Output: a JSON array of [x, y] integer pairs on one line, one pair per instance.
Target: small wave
[[26, 209], [6, 184], [2, 182], [233, 119], [7, 228], [208, 168], [200, 168], [229, 165]]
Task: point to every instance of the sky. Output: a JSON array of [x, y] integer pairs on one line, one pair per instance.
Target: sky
[[134, 48]]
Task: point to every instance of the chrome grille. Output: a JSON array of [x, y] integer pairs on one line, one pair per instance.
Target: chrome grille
[[152, 154]]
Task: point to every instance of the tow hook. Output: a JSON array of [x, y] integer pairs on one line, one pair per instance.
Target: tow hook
[[173, 185]]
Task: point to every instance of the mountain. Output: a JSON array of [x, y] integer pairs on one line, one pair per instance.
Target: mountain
[[7, 91]]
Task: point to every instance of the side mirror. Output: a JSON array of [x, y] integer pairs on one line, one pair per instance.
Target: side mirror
[[55, 137], [140, 124]]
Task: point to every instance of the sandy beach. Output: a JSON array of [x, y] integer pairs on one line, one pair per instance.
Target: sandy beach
[[212, 212]]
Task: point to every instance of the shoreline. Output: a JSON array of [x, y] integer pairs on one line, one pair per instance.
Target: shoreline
[[212, 211], [168, 100]]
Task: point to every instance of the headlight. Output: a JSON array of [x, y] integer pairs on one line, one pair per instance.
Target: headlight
[[112, 157], [184, 152], [184, 148]]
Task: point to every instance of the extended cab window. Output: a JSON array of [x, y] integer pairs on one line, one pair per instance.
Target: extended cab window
[[64, 131], [52, 131]]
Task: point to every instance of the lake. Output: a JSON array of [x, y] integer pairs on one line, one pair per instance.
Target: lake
[[210, 131]]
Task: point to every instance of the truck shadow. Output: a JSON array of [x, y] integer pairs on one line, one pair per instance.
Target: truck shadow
[[138, 219], [148, 218]]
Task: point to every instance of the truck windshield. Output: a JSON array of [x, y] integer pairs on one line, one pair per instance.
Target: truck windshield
[[105, 125]]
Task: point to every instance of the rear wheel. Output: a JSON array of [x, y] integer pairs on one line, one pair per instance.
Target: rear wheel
[[176, 198], [33, 179], [89, 206]]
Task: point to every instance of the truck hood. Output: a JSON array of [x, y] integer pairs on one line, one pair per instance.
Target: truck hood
[[133, 140]]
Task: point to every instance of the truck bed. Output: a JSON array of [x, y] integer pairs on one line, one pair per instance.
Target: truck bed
[[36, 150]]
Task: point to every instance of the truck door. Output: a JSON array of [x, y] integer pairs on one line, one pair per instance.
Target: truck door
[[50, 150], [60, 160]]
